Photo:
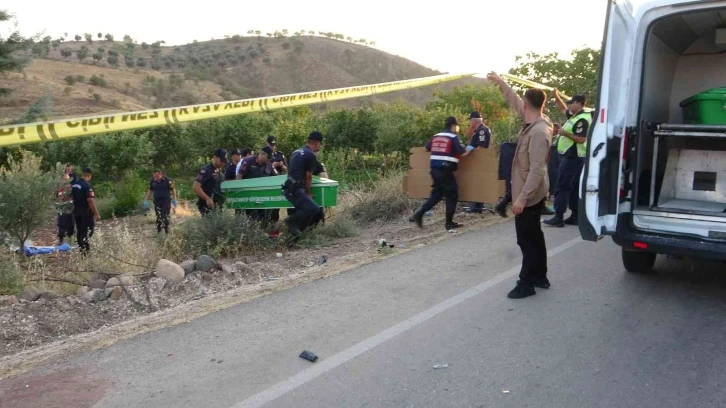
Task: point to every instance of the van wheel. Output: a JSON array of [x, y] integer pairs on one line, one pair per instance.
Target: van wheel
[[640, 262]]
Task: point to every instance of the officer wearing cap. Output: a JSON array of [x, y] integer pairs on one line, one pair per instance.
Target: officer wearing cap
[[208, 183], [297, 187], [162, 188], [278, 160], [572, 148], [84, 209], [254, 166], [446, 149], [479, 137], [231, 172]]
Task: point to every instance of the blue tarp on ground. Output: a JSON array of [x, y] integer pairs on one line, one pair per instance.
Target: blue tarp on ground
[[38, 250]]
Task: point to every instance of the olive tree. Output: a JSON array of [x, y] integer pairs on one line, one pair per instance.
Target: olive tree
[[27, 195]]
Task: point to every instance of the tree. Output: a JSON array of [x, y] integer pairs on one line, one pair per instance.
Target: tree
[[141, 62], [97, 56], [78, 38], [66, 52], [112, 60], [129, 60], [285, 32], [100, 35], [56, 43], [89, 38], [9, 47], [101, 50], [128, 39], [28, 194], [109, 38], [144, 45], [258, 33], [575, 75], [82, 54], [130, 46], [113, 53]]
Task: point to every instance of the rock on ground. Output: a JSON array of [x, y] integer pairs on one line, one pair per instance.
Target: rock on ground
[[114, 293], [29, 295], [169, 270], [83, 290], [226, 268], [206, 263], [8, 300], [122, 280], [95, 295], [48, 296], [189, 266], [157, 284], [98, 284]]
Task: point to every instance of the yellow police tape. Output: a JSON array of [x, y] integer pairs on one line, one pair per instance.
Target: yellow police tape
[[527, 82], [90, 125]]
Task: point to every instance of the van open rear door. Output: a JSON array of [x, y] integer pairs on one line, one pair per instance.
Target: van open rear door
[[600, 187]]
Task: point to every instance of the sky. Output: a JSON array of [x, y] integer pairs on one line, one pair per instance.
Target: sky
[[453, 36]]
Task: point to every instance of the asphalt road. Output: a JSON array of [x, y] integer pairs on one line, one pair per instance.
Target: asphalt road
[[600, 337]]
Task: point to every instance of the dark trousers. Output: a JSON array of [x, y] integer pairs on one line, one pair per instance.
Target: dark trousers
[[204, 210], [262, 216], [162, 207], [66, 226], [444, 187], [84, 231], [531, 241], [306, 210], [568, 181]]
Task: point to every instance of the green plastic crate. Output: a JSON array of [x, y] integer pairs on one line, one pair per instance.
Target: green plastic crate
[[705, 108], [266, 193]]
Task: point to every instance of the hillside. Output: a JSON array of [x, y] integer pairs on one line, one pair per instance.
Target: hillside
[[139, 76]]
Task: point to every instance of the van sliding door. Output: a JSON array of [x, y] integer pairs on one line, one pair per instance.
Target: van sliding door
[[599, 192]]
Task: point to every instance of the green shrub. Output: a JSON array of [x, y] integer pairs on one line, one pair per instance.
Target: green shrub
[[222, 233], [11, 279], [105, 206], [98, 81], [80, 78], [70, 79], [128, 194], [341, 226]]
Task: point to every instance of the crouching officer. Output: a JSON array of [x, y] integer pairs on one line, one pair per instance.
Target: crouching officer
[[480, 136], [208, 184], [446, 149], [84, 210], [297, 187], [162, 188]]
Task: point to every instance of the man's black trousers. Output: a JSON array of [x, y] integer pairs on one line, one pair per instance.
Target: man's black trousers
[[444, 187], [531, 241]]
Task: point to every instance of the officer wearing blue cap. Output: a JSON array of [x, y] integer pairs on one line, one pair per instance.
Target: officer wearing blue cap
[[297, 187], [480, 136], [446, 149], [208, 183]]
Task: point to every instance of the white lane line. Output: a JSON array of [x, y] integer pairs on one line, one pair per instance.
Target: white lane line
[[348, 354]]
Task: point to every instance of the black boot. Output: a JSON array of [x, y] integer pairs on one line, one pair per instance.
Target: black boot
[[450, 224], [501, 207], [572, 219], [417, 217], [555, 221]]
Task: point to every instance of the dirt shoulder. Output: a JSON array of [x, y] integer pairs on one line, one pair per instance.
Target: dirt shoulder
[[34, 332]]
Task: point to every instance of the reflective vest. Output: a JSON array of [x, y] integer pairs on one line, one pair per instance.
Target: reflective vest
[[442, 149], [565, 143]]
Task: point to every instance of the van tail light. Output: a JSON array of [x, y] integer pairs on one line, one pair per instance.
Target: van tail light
[[640, 245]]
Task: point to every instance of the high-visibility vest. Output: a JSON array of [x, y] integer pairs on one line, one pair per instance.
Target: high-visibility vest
[[565, 143]]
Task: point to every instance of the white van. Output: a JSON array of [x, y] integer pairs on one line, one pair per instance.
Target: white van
[[655, 178]]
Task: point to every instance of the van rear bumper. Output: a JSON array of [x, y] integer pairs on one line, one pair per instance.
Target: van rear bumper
[[627, 236]]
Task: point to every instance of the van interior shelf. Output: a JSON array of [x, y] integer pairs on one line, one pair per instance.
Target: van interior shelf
[[703, 183]]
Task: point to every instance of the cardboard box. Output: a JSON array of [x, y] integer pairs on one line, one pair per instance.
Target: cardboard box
[[477, 176]]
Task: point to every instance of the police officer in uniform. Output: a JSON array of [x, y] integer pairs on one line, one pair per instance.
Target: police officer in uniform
[[255, 167], [162, 188], [208, 183], [297, 187], [446, 149], [84, 210], [571, 147], [279, 162], [480, 136]]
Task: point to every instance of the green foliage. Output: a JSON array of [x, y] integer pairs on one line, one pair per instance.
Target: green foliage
[[127, 194], [221, 233], [11, 278], [66, 52], [575, 75], [145, 46], [111, 155], [82, 54], [97, 97], [141, 62], [10, 57], [28, 194], [109, 38], [112, 60], [80, 78], [70, 79], [89, 38], [98, 80]]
